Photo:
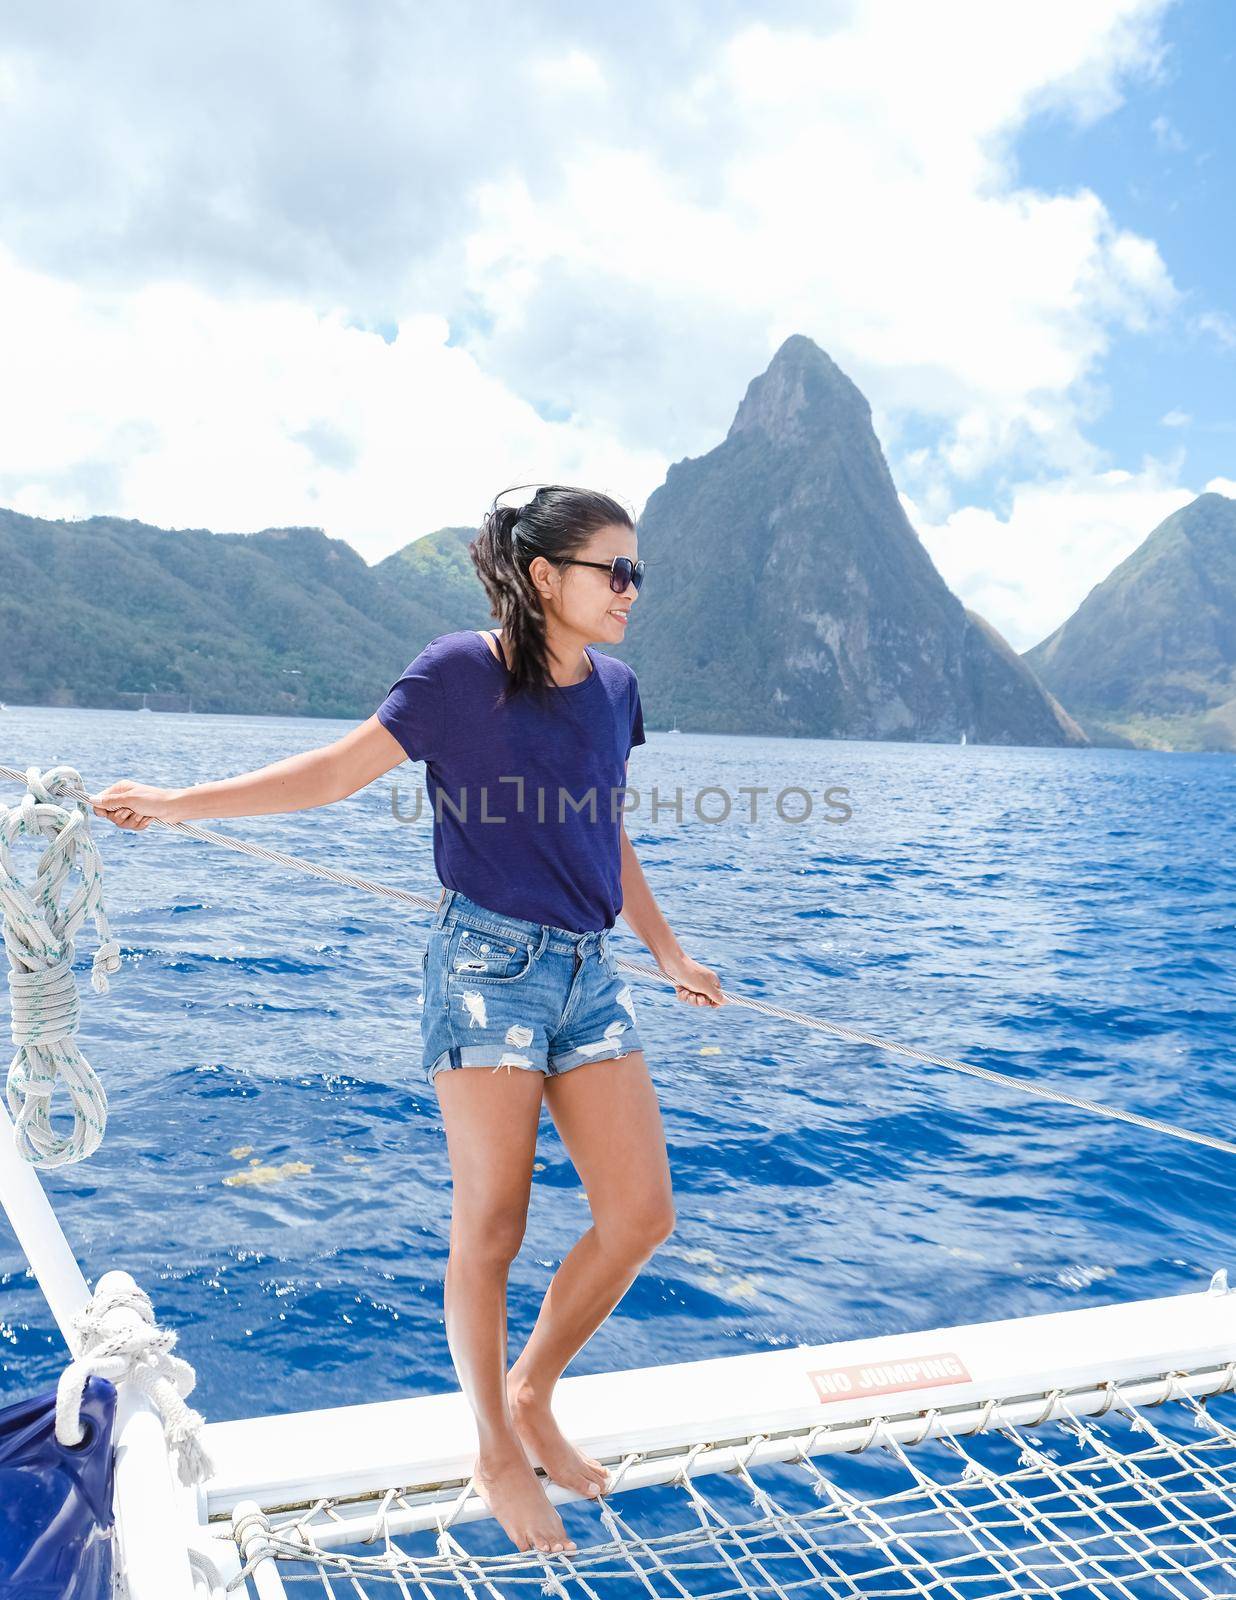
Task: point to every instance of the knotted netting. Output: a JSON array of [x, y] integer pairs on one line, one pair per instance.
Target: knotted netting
[[1134, 1502]]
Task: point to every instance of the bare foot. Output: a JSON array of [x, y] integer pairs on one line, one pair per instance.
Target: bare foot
[[505, 1481], [548, 1447]]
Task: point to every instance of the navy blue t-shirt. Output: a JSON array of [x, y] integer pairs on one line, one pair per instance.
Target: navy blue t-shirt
[[526, 797]]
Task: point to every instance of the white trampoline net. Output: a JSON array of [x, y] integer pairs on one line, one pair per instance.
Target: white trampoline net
[[1133, 1503]]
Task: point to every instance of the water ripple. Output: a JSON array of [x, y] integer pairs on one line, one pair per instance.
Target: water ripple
[[275, 1171]]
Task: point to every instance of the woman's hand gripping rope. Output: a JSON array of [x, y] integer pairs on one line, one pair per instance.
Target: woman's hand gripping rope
[[133, 805], [693, 982]]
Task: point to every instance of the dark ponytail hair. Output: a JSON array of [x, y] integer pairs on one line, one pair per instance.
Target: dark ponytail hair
[[557, 521]]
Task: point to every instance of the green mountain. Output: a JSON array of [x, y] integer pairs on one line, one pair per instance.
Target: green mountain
[[435, 576], [787, 592], [287, 621], [1150, 654]]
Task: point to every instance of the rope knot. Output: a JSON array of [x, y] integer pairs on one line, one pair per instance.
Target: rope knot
[[43, 787], [119, 1339], [38, 935], [45, 1008], [107, 962]]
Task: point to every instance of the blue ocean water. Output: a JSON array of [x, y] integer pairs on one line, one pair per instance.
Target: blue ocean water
[[1062, 915]]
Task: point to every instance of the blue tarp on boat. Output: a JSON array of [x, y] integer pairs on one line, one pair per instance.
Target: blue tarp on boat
[[56, 1502]]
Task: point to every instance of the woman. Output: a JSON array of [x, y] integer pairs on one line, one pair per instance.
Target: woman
[[525, 733]]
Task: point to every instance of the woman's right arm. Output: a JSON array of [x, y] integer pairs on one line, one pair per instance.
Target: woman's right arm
[[297, 783]]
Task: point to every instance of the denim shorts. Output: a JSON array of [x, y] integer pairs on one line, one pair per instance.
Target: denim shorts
[[502, 992]]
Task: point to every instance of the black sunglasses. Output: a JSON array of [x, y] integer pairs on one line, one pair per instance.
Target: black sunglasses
[[623, 572]]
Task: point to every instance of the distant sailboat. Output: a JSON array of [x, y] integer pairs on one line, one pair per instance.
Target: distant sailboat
[[168, 696], [963, 738]]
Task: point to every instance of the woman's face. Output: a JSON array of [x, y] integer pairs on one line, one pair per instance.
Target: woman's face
[[581, 599]]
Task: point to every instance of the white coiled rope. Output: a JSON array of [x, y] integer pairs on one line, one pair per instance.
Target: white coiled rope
[[38, 935], [119, 1339]]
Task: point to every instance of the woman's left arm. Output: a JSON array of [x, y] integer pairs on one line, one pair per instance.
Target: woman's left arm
[[695, 983]]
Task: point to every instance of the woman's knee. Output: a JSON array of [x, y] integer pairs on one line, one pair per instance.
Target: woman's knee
[[488, 1236], [639, 1228]]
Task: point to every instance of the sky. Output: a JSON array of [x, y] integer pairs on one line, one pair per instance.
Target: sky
[[365, 266]]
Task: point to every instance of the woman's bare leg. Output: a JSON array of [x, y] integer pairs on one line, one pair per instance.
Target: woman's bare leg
[[610, 1122], [491, 1126]]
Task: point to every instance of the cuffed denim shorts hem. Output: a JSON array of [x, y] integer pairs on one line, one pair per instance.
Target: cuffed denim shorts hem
[[483, 1056], [500, 991]]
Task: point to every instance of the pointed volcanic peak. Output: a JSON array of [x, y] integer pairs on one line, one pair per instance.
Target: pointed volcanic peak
[[788, 593], [1150, 654], [804, 398]]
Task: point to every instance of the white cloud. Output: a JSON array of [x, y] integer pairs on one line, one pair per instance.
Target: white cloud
[[615, 221], [1167, 135], [572, 71], [175, 406], [1028, 570], [1220, 326], [1176, 419], [862, 195]]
